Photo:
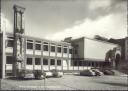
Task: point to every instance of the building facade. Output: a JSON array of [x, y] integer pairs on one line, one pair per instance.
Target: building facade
[[45, 55], [40, 54]]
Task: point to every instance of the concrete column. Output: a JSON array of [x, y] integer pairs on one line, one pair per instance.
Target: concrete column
[[24, 47], [55, 63], [3, 55], [33, 63], [68, 58], [42, 64], [62, 64], [42, 55], [49, 63], [62, 50], [49, 48], [55, 50], [34, 47]]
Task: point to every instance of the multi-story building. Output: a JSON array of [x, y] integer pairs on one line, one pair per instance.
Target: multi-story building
[[42, 54]]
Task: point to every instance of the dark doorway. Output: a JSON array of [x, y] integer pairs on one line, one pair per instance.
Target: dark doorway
[[0, 55], [117, 60]]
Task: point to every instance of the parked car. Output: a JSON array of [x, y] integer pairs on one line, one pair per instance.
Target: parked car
[[98, 72], [56, 73], [87, 72], [48, 74], [26, 74], [108, 72]]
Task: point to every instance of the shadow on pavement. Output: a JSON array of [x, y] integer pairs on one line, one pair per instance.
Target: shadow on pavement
[[18, 79], [115, 84]]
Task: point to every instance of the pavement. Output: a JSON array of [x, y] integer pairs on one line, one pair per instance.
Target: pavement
[[68, 82]]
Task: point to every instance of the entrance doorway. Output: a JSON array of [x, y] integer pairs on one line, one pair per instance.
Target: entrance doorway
[[0, 55], [117, 60]]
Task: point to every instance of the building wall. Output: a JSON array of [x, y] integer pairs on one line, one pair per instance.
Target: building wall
[[34, 49], [78, 46], [126, 48], [2, 55], [96, 49]]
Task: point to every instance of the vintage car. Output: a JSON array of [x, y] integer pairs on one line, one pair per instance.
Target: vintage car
[[87, 72], [48, 74], [26, 74], [108, 72], [56, 73], [97, 72]]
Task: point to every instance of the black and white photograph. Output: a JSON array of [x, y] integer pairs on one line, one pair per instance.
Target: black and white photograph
[[63, 45]]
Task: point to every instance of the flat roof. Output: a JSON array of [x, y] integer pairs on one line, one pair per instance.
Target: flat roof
[[40, 39], [92, 39]]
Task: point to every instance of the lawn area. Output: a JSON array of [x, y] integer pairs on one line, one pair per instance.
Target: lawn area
[[68, 82]]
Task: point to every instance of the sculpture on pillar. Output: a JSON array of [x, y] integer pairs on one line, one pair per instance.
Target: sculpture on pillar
[[18, 48]]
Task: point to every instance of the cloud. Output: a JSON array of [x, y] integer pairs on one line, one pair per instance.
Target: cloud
[[94, 4], [112, 25]]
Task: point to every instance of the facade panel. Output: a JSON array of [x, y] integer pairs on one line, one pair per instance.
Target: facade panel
[[95, 49]]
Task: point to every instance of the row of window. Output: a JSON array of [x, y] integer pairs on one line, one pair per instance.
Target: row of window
[[9, 60], [45, 47], [45, 61]]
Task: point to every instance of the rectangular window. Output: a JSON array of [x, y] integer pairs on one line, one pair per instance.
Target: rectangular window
[[10, 43], [70, 51], [80, 63], [45, 47], [65, 50], [59, 49], [75, 63], [29, 61], [45, 61], [38, 46], [29, 45], [37, 61], [58, 62], [52, 48], [85, 63], [9, 60], [52, 62], [76, 51]]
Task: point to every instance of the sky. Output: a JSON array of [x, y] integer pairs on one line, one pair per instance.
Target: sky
[[57, 19]]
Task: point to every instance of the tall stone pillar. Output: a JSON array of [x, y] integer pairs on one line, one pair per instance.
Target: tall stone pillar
[[18, 48]]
